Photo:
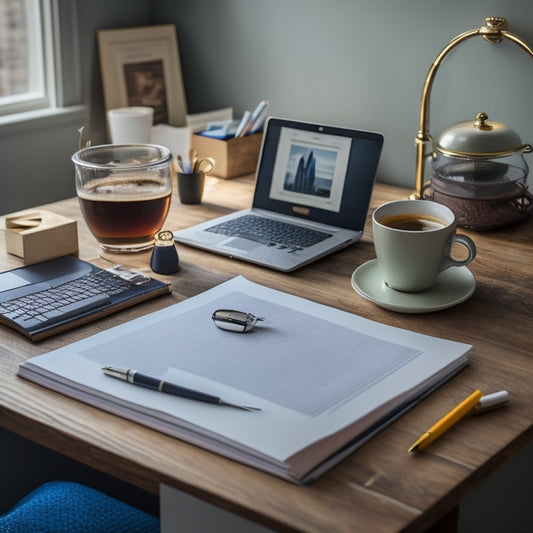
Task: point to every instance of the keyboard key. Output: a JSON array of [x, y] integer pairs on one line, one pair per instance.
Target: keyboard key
[[81, 306]]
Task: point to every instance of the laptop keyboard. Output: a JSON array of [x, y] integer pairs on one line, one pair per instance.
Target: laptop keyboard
[[270, 232], [69, 299]]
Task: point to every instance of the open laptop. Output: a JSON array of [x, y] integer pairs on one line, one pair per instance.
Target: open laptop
[[312, 193]]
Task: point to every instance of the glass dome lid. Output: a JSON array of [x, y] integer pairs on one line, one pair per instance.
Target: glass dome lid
[[480, 138]]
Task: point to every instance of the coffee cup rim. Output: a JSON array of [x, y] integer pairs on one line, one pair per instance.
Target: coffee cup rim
[[131, 111], [444, 212]]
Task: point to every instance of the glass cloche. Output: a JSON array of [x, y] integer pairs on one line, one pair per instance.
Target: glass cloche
[[480, 172]]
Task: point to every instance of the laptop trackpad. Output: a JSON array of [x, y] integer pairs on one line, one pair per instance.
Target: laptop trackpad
[[240, 244]]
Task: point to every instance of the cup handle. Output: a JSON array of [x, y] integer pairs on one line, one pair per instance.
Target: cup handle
[[465, 241]]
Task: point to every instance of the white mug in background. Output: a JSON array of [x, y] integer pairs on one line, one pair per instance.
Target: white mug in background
[[131, 124], [413, 241]]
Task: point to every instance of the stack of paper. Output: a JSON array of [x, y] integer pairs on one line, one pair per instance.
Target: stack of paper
[[325, 380]]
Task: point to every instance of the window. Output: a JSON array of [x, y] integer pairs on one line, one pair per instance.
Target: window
[[26, 67], [39, 58]]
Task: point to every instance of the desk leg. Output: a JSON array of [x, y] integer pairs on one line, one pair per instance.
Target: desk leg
[[447, 524], [182, 513]]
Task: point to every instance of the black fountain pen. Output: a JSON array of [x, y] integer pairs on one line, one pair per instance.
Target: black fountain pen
[[136, 378]]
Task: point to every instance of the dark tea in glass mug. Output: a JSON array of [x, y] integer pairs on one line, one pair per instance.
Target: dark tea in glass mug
[[124, 193]]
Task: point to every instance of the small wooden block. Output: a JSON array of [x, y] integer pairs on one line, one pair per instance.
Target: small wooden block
[[38, 235]]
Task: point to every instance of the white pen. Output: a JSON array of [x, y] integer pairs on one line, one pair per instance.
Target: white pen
[[256, 120], [244, 121], [258, 110], [258, 124]]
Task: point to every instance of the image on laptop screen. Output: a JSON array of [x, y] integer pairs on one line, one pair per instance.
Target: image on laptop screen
[[322, 173]]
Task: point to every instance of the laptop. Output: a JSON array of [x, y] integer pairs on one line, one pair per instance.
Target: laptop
[[45, 298], [312, 193]]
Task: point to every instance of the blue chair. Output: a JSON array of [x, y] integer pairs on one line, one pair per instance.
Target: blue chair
[[67, 507]]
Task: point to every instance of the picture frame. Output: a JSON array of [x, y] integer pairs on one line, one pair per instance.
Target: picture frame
[[141, 67]]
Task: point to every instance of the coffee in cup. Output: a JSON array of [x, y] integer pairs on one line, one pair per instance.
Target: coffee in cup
[[124, 193], [413, 222], [413, 241]]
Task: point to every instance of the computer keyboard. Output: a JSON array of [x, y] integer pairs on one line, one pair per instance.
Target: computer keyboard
[[69, 299], [269, 231]]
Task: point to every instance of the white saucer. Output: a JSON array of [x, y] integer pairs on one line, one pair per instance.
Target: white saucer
[[454, 285]]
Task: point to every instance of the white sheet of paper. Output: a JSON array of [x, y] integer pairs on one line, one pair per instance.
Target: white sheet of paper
[[175, 139], [197, 121]]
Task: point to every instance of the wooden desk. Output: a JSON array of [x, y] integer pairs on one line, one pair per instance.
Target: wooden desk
[[380, 487]]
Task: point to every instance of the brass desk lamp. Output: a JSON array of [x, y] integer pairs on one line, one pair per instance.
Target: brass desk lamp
[[479, 168]]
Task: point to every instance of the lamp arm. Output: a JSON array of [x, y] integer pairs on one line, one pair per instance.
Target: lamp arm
[[423, 136], [515, 39]]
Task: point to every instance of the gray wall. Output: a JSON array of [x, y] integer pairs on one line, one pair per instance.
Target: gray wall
[[359, 63]]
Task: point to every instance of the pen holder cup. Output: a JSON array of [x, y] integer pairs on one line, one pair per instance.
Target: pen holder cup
[[191, 187]]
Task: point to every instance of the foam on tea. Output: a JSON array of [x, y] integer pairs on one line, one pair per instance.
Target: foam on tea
[[413, 222]]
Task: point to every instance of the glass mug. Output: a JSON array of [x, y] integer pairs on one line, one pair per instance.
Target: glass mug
[[124, 192]]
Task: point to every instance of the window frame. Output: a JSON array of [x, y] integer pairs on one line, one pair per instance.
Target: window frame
[[62, 75]]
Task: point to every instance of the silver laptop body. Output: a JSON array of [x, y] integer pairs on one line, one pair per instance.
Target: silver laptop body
[[316, 178]]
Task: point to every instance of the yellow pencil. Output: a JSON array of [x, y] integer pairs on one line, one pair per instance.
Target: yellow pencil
[[447, 422]]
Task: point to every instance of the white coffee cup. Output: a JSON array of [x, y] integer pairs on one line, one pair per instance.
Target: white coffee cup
[[413, 241], [131, 124]]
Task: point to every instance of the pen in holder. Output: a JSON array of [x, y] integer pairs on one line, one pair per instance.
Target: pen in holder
[[191, 187]]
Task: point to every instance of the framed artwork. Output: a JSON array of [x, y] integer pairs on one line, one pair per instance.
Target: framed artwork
[[141, 67]]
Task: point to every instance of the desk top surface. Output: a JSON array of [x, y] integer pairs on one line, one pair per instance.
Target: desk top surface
[[379, 487]]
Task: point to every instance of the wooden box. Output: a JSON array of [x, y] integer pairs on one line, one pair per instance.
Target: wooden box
[[234, 157], [38, 235]]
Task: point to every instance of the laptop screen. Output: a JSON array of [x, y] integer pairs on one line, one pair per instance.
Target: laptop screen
[[320, 173]]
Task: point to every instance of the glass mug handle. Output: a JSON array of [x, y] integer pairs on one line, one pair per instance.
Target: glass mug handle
[[448, 261]]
